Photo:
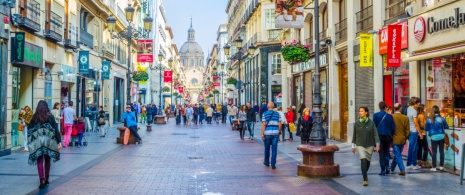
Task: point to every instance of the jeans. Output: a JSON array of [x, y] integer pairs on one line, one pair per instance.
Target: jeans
[[289, 130], [250, 126], [223, 117], [149, 119], [200, 118], [178, 119], [283, 131], [133, 129], [271, 140], [25, 138], [412, 149], [184, 119], [43, 166], [385, 142], [81, 135], [422, 149], [209, 120], [231, 117], [196, 118], [189, 119], [398, 157], [434, 145]]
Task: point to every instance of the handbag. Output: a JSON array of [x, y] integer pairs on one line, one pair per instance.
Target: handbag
[[101, 121], [292, 127], [20, 127]]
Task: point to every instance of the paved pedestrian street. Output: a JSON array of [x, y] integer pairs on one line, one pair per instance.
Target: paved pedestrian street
[[203, 159]]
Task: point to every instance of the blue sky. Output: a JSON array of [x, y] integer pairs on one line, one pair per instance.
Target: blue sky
[[207, 15]]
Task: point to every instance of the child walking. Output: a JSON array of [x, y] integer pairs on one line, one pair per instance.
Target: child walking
[[81, 128]]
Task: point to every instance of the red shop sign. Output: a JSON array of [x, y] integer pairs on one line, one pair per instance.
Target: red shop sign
[[436, 62], [394, 41], [384, 36], [216, 84], [168, 76], [181, 89]]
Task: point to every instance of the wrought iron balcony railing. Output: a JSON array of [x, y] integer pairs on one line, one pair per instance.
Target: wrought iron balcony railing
[[364, 19], [86, 38], [54, 31], [341, 30]]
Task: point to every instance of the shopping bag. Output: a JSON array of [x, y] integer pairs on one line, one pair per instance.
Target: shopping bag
[[292, 127]]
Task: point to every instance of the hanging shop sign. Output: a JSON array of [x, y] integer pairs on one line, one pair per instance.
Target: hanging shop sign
[[394, 42], [168, 76], [106, 65], [216, 84], [25, 53], [366, 50], [384, 36], [289, 14], [17, 47], [83, 62], [310, 64], [446, 23], [181, 89], [276, 88], [69, 74], [144, 50]]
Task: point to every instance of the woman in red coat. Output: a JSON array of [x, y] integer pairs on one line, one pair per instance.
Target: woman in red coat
[[290, 119]]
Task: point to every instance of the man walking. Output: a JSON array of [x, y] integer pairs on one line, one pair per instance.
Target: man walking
[[196, 113], [232, 113], [69, 115], [386, 127], [201, 113], [224, 112], [414, 135], [130, 118], [177, 114], [250, 120], [149, 114], [189, 113], [271, 125], [400, 136]]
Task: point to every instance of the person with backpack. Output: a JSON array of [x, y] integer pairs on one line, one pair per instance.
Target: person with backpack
[[385, 125], [45, 141]]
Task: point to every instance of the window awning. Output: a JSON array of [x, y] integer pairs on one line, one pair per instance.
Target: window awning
[[436, 53]]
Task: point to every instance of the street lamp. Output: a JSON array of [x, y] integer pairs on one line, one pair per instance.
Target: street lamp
[[222, 73], [129, 34], [238, 56], [159, 67]]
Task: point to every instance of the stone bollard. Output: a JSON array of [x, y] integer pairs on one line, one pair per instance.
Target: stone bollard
[[160, 119], [149, 127], [318, 161]]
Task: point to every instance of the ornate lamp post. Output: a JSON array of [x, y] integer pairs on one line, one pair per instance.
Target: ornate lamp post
[[128, 34], [160, 68]]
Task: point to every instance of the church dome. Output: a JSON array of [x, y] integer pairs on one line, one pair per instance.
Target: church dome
[[190, 47]]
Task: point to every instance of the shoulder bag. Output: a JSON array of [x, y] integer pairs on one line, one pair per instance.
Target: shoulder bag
[[270, 120], [381, 120]]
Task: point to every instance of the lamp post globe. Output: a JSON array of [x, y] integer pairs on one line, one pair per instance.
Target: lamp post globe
[[239, 42], [148, 23], [226, 48], [222, 66], [129, 12], [111, 21]]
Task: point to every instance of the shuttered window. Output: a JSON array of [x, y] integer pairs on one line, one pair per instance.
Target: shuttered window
[[364, 88], [308, 89]]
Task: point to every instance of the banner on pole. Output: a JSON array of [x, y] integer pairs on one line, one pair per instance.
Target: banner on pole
[[366, 50], [394, 45], [289, 14], [168, 76], [216, 84], [106, 70], [84, 62], [144, 50], [181, 89]]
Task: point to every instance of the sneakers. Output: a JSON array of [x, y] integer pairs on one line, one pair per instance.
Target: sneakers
[[365, 183], [433, 169], [441, 168], [415, 167], [290, 139], [266, 165]]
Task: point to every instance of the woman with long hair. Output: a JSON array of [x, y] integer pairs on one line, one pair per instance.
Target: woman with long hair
[[44, 141], [304, 126], [25, 117], [436, 127], [242, 116], [422, 142], [101, 121], [364, 138], [56, 113]]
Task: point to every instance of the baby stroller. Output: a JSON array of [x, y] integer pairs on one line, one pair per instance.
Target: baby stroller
[[75, 138]]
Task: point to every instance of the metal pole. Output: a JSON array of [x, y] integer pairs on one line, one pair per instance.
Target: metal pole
[[128, 75], [317, 136], [159, 101], [393, 89], [222, 93], [239, 77], [172, 92]]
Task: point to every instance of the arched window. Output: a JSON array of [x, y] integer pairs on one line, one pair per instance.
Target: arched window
[[194, 81]]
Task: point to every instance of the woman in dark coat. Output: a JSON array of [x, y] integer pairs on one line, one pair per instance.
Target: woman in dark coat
[[43, 127], [304, 127]]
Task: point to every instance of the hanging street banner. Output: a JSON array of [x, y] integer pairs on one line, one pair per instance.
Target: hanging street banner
[[216, 84], [181, 89], [383, 38], [168, 76], [288, 14], [366, 50], [106, 65], [394, 45], [84, 62], [144, 50], [17, 47]]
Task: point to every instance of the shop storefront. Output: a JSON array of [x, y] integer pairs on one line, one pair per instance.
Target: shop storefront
[[437, 43], [68, 78]]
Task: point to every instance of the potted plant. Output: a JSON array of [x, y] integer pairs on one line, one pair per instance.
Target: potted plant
[[179, 96], [216, 92], [165, 89], [140, 76], [231, 81], [175, 94], [210, 95], [295, 52]]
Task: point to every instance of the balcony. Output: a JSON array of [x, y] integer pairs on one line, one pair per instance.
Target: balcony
[[87, 39], [364, 19], [310, 42], [31, 22], [71, 40], [322, 35], [53, 33], [341, 31], [273, 34], [395, 11]]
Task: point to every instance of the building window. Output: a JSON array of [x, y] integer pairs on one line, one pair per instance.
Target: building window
[[269, 18], [30, 10], [192, 62], [276, 64], [55, 22]]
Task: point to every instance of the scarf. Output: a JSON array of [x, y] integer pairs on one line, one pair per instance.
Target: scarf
[[42, 141], [363, 120], [306, 117]]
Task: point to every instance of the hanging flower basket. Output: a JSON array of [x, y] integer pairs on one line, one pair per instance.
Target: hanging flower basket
[[231, 81], [165, 89], [140, 76], [216, 92], [179, 96], [295, 52], [175, 94], [210, 95]]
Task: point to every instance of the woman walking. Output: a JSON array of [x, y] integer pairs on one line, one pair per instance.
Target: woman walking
[[45, 141], [290, 120], [167, 113], [101, 121], [423, 149], [364, 138], [242, 116], [143, 115], [56, 113], [25, 117], [436, 127], [304, 126], [283, 124]]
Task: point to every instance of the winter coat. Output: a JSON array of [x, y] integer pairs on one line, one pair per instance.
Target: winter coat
[[304, 127]]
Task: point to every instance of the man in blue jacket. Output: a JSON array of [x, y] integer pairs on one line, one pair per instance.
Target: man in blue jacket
[[130, 118], [386, 127], [136, 109]]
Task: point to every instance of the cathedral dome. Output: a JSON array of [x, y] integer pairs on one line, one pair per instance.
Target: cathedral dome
[[190, 47]]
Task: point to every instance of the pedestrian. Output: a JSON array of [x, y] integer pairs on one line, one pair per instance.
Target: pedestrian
[[364, 138], [177, 114], [400, 137], [436, 126], [271, 124], [423, 148], [290, 121], [195, 113], [251, 120], [81, 128], [301, 109], [304, 126], [143, 114], [201, 113], [224, 113], [69, 115], [385, 125], [101, 121], [25, 117], [242, 116], [130, 118], [231, 113], [209, 113], [284, 123], [183, 113], [56, 113], [136, 109], [264, 108], [149, 114], [167, 113], [412, 115], [218, 113], [189, 113], [45, 141]]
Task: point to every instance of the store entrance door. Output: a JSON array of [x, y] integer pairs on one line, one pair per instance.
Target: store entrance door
[[118, 100], [343, 99], [48, 90]]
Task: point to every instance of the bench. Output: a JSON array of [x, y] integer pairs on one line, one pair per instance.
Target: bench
[[120, 139]]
